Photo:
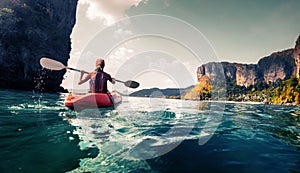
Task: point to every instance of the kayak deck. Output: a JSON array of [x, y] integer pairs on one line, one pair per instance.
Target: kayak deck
[[92, 100]]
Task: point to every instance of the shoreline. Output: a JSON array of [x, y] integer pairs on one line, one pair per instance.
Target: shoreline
[[226, 101]]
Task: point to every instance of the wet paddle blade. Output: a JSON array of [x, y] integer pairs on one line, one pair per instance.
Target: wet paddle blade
[[51, 64], [132, 84]]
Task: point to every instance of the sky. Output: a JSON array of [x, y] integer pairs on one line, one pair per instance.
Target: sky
[[191, 32]]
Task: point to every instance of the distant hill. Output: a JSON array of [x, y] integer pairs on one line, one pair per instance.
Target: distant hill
[[156, 92]]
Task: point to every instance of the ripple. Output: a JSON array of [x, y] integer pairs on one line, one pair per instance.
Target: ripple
[[141, 131]]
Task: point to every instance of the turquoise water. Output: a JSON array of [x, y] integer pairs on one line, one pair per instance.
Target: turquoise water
[[38, 134]]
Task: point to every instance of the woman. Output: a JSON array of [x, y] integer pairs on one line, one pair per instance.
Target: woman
[[98, 78]]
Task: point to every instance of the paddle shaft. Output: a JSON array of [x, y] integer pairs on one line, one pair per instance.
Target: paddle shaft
[[119, 81], [74, 69], [129, 83], [56, 65], [69, 68]]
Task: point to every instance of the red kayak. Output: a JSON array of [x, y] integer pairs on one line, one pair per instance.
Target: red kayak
[[92, 100]]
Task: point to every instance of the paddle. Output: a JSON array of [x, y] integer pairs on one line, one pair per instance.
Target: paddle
[[56, 65]]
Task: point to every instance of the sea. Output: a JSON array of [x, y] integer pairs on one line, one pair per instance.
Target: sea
[[39, 134]]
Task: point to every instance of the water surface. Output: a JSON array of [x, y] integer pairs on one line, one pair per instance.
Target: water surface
[[146, 135]]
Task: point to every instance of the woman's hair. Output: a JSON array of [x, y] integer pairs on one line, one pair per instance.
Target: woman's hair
[[100, 63], [98, 69]]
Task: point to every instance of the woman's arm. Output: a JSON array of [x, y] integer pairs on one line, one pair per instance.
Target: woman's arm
[[112, 80], [85, 79]]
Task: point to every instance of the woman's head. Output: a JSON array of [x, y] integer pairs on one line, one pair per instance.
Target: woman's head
[[100, 63]]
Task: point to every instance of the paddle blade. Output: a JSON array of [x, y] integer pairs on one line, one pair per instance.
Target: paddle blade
[[51, 64], [132, 84]]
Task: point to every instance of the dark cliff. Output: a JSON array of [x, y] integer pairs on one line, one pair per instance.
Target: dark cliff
[[29, 30], [278, 66], [297, 57]]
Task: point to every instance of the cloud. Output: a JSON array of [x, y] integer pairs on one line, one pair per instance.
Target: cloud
[[108, 10]]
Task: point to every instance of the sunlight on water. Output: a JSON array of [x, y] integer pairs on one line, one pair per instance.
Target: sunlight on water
[[146, 128], [143, 128], [134, 132], [146, 135]]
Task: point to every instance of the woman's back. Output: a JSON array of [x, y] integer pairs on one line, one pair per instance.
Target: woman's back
[[98, 82]]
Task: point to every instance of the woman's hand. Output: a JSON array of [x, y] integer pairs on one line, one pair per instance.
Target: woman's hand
[[113, 80], [82, 72]]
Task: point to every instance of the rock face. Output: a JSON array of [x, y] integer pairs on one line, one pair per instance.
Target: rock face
[[277, 66], [214, 71], [297, 57], [241, 74], [246, 75], [29, 30]]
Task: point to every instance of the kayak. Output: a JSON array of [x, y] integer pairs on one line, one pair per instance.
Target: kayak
[[92, 100]]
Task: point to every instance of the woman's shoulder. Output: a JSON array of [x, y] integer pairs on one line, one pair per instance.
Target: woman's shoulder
[[107, 74], [92, 73]]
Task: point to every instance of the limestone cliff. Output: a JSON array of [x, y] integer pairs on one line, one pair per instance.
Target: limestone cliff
[[246, 75], [241, 74], [297, 57], [29, 30], [278, 66], [212, 70]]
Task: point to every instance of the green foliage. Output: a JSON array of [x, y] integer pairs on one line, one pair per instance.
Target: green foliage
[[202, 91], [281, 92], [288, 92]]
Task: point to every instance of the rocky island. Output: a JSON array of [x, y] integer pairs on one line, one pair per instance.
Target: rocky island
[[274, 78]]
